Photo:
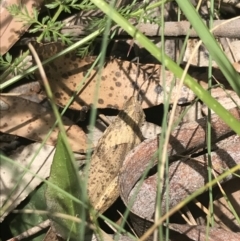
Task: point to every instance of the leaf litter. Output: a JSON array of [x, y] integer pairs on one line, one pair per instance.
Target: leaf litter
[[12, 28], [104, 205], [32, 121], [64, 84], [185, 175]]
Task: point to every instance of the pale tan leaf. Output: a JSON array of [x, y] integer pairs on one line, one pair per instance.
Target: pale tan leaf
[[201, 57], [31, 120], [198, 233], [11, 29], [232, 51], [119, 81], [10, 175]]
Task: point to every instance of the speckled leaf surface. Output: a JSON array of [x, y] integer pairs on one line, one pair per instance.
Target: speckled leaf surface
[[30, 120], [118, 139], [64, 175], [119, 81], [11, 29]]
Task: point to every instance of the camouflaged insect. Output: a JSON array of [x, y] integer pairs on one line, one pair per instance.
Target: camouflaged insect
[[119, 138]]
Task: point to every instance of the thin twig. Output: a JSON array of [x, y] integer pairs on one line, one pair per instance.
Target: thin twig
[[30, 232], [171, 29]]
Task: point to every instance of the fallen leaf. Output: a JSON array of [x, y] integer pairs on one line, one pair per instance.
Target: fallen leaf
[[201, 57], [31, 120], [118, 139], [119, 81], [185, 176], [198, 233], [222, 209], [11, 28], [227, 98]]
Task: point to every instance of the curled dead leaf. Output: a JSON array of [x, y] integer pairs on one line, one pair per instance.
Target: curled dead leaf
[[31, 120], [185, 176]]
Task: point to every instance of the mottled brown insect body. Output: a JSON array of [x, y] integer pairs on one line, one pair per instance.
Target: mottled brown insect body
[[119, 138]]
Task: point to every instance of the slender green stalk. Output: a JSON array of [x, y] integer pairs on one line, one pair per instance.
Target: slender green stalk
[[65, 51], [149, 7], [209, 134], [171, 65], [162, 161], [189, 199], [56, 15], [211, 44]]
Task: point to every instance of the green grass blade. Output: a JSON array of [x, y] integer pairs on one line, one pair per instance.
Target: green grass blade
[[170, 64], [211, 44], [63, 52]]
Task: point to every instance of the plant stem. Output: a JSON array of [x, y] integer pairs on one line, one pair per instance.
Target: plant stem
[[65, 51], [171, 65], [56, 15]]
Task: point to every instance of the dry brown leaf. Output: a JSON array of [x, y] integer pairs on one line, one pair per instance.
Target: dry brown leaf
[[10, 28], [222, 209], [184, 139], [119, 81], [185, 176], [118, 139], [201, 57], [198, 233], [31, 120]]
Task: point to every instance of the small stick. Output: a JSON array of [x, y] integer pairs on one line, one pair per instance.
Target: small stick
[[30, 232]]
